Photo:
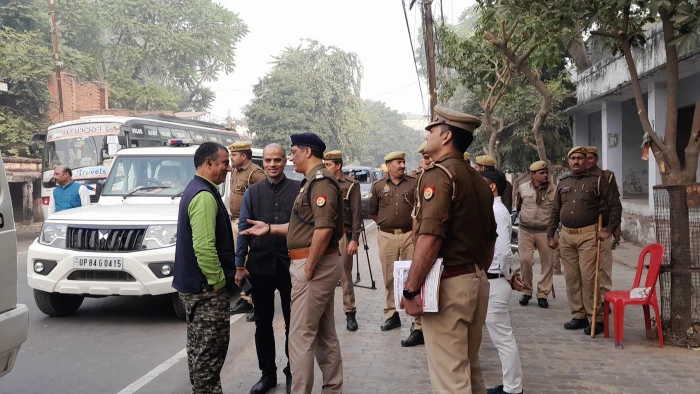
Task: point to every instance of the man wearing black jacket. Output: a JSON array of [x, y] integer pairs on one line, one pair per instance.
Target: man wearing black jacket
[[270, 201]]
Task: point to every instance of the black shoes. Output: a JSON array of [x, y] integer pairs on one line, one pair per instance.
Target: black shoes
[[542, 302], [599, 328], [251, 316], [265, 384], [242, 306], [499, 390], [351, 322], [392, 322], [577, 324], [415, 339], [525, 299]]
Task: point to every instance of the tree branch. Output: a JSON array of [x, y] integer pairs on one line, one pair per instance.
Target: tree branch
[[626, 19], [525, 55], [606, 34], [529, 144], [510, 32]]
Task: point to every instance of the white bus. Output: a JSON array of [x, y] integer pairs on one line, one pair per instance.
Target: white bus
[[87, 145]]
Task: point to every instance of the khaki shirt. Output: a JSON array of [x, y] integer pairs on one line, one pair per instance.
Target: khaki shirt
[[613, 202], [393, 204], [324, 211], [535, 206], [352, 205], [466, 224], [579, 201], [241, 179]]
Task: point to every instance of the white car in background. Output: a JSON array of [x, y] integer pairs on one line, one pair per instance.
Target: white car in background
[[125, 244], [14, 318]]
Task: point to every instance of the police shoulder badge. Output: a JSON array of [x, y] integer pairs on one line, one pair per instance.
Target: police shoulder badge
[[428, 192], [321, 201]]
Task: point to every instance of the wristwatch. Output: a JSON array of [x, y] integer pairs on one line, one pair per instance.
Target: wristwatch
[[409, 295]]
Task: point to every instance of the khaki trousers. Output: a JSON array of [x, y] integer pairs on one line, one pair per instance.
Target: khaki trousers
[[234, 226], [606, 266], [453, 335], [346, 277], [394, 247], [578, 254], [527, 243], [312, 327]]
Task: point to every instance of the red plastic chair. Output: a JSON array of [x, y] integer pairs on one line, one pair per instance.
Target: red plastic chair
[[620, 299]]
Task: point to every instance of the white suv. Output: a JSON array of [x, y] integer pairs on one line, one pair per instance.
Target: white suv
[[123, 245], [14, 318]]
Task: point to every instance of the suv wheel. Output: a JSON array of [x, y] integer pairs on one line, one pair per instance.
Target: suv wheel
[[55, 304], [178, 307]]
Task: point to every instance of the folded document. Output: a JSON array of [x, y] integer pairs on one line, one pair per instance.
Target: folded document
[[430, 291]]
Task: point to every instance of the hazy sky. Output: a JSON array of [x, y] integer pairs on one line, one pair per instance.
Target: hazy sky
[[374, 29]]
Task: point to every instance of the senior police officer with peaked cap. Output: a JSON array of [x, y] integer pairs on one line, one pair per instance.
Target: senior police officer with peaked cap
[[488, 163], [580, 199], [534, 202], [313, 232], [243, 174], [455, 222], [391, 204], [606, 260], [352, 227]]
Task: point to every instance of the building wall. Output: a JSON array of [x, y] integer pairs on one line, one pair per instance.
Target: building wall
[[77, 97], [635, 171], [595, 130]]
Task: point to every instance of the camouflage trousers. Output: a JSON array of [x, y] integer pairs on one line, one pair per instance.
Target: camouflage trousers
[[208, 333]]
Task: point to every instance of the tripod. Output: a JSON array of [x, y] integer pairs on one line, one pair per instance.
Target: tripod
[[363, 234]]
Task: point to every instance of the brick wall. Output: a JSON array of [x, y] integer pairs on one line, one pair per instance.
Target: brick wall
[[78, 97]]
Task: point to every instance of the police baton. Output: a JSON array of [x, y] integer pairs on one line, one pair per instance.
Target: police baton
[[363, 233], [597, 277]]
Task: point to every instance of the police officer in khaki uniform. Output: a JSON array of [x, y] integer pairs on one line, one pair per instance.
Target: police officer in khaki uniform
[[313, 232], [391, 205], [488, 163], [467, 157], [244, 174], [455, 222], [580, 198], [535, 200], [352, 226], [426, 159], [606, 258]]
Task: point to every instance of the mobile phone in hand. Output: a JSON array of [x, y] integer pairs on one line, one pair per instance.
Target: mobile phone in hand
[[247, 287]]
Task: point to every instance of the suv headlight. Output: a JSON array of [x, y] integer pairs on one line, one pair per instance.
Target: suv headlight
[[365, 194], [53, 234], [160, 236]]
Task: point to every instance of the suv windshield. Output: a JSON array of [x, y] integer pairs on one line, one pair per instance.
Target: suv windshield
[[291, 174], [361, 176], [129, 173]]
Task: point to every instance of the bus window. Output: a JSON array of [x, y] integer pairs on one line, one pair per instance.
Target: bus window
[[165, 133], [151, 132], [211, 137], [181, 134], [229, 139], [197, 137]]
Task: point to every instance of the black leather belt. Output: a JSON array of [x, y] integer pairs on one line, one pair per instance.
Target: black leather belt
[[494, 276]]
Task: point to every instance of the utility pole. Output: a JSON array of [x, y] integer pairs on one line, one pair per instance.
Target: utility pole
[[54, 37], [429, 53]]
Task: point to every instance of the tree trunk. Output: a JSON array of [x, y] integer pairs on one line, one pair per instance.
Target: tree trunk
[[693, 149], [681, 262], [671, 127], [492, 138], [579, 53]]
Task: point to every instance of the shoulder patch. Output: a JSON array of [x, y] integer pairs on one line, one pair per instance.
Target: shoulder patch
[[428, 192], [321, 201], [319, 174]]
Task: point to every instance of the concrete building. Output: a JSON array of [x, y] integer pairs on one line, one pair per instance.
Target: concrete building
[[606, 117]]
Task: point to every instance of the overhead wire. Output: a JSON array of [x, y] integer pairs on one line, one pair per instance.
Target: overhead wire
[[413, 52]]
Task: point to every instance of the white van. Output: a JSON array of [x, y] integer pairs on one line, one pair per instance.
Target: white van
[[123, 245], [14, 318]]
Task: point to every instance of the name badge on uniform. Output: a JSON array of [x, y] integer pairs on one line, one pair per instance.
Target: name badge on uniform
[[321, 201], [386, 189], [428, 192]]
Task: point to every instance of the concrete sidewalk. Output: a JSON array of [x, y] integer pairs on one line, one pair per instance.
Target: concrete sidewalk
[[554, 360]]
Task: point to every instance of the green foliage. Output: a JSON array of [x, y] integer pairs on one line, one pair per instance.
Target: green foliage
[[387, 133], [312, 88]]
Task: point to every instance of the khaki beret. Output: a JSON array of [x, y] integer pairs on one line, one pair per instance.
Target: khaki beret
[[394, 156], [592, 149], [422, 146], [577, 149], [467, 156], [456, 119], [486, 161], [538, 165], [240, 146], [334, 154]]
